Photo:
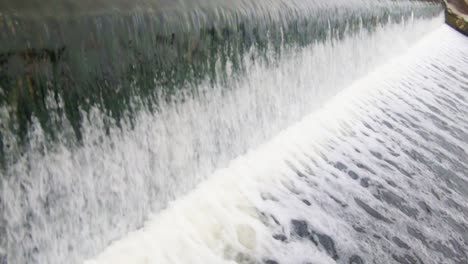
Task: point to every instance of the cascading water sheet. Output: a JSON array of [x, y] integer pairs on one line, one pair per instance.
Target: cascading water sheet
[[108, 116], [378, 175]]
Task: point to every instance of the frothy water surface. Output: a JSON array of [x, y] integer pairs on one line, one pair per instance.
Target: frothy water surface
[[378, 175], [64, 202]]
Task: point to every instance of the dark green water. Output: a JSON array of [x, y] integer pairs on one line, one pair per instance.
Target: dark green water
[[97, 55]]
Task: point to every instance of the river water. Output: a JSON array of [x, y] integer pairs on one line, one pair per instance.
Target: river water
[[347, 147]]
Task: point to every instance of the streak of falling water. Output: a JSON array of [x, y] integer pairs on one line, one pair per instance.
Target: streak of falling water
[[378, 175], [63, 204]]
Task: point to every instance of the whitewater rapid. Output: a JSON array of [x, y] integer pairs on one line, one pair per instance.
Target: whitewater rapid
[[376, 175], [65, 203]]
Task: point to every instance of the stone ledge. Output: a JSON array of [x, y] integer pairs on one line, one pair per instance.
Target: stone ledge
[[456, 14]]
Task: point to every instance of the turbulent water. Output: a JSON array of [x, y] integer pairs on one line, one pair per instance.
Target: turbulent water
[[378, 175], [94, 140]]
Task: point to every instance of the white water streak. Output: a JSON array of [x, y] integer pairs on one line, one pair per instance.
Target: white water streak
[[221, 217], [107, 187]]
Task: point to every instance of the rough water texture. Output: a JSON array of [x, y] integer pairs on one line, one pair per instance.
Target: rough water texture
[[61, 59], [378, 175], [63, 204], [63, 201]]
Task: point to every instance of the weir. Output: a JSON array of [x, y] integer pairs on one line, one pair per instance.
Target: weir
[[378, 175], [116, 113], [109, 54]]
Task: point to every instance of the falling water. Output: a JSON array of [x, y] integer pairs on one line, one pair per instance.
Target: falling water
[[108, 117], [378, 175]]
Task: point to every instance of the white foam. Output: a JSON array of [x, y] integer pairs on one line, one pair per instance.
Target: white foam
[[100, 191], [220, 221]]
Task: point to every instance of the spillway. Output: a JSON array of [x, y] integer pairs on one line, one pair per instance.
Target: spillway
[[377, 175], [299, 131]]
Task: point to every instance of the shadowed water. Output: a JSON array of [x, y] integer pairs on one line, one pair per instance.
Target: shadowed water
[[60, 59]]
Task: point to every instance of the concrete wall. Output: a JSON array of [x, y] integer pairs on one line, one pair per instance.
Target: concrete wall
[[456, 14]]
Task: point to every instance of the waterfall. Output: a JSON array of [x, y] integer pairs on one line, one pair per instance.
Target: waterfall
[[111, 110], [377, 175]]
